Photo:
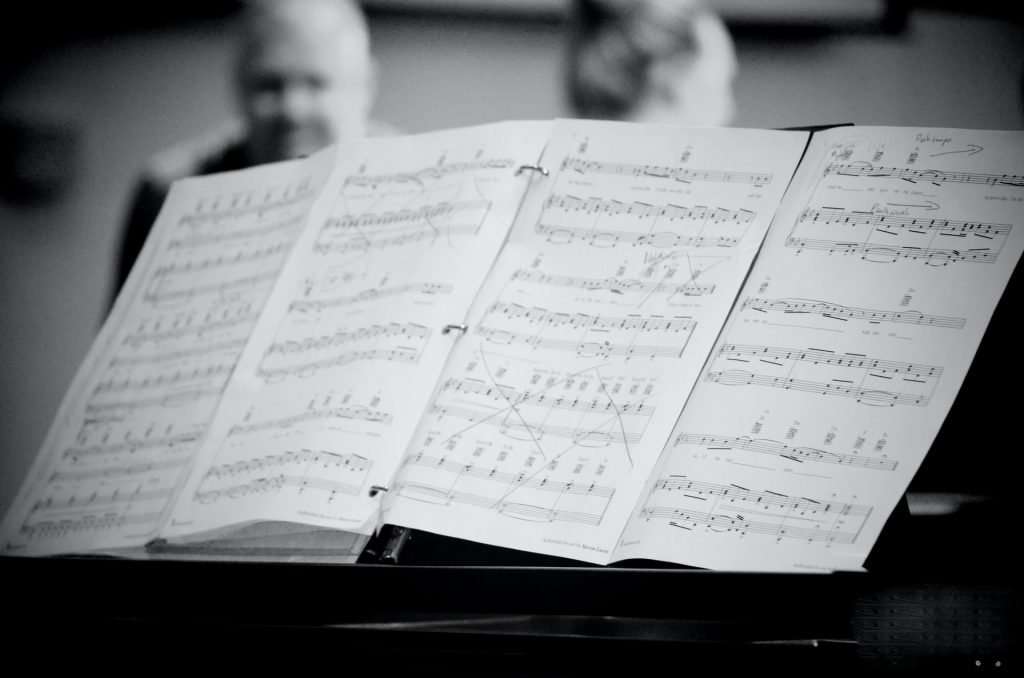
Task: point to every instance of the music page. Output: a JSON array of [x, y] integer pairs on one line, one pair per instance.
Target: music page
[[583, 345], [141, 403], [346, 355], [843, 355]]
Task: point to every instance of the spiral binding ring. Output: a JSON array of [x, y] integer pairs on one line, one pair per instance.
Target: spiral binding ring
[[532, 168]]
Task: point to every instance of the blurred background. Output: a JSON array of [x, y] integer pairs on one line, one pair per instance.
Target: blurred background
[[89, 91]]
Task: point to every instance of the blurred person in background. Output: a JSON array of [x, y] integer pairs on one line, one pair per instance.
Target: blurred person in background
[[665, 61], [303, 79]]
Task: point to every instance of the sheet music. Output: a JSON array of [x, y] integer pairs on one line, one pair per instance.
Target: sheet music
[[843, 355], [343, 360], [141, 403], [589, 333]]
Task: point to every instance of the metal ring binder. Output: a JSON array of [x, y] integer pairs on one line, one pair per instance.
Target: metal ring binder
[[532, 168], [462, 329]]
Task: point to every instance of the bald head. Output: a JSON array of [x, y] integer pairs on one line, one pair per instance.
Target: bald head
[[304, 76]]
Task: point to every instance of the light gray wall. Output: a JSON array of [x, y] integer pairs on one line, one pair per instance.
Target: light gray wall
[[130, 96]]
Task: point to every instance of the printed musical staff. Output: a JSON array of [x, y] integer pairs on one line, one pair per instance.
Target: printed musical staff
[[887, 238], [343, 412], [819, 356], [98, 498], [211, 213], [690, 504], [328, 472], [920, 225], [563, 235], [590, 349], [870, 381], [369, 295], [173, 399], [642, 211], [219, 237], [433, 215], [150, 358], [330, 460], [164, 327], [217, 370], [796, 453], [342, 337], [530, 512], [913, 175], [73, 474], [544, 398], [834, 311], [677, 173], [868, 396], [536, 315], [276, 483], [522, 478], [131, 446], [566, 220], [141, 524], [159, 295], [429, 173], [615, 285], [398, 354], [887, 254], [502, 418]]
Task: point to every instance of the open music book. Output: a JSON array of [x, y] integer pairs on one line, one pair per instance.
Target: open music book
[[725, 348]]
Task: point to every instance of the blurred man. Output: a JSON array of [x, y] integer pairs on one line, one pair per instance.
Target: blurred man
[[303, 78], [669, 61]]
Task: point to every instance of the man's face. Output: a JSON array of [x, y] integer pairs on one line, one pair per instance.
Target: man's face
[[303, 87]]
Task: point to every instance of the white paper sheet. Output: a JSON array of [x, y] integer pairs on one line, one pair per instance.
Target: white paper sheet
[[139, 407], [584, 343], [349, 348], [846, 349]]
